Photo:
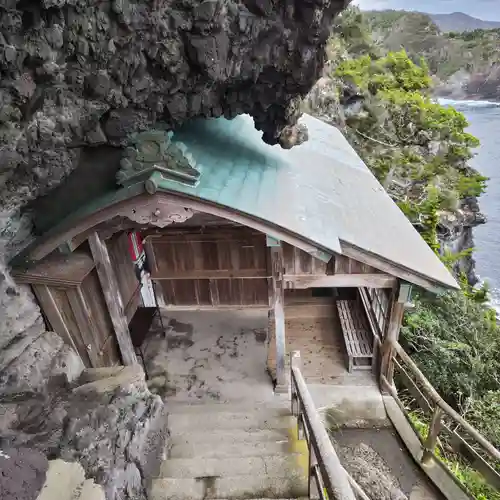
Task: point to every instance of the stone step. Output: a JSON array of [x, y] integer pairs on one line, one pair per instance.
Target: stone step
[[66, 481], [278, 465], [232, 449], [216, 437], [279, 405], [63, 481], [183, 422], [235, 488], [91, 491]]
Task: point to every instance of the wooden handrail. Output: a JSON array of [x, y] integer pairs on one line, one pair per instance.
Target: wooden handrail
[[439, 401], [334, 478]]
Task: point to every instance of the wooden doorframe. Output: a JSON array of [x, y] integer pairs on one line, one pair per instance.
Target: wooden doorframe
[[112, 297], [277, 309]]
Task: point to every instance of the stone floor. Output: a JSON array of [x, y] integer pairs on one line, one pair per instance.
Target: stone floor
[[221, 356], [205, 356]]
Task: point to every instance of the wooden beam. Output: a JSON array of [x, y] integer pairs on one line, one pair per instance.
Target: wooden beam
[[389, 268], [150, 255], [105, 229], [340, 280], [113, 298], [278, 313], [123, 201], [392, 334], [81, 312], [432, 435], [210, 274]]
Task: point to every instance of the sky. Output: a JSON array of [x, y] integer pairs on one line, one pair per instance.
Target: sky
[[488, 10]]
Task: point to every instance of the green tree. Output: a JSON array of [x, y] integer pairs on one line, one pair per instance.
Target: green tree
[[455, 344], [417, 148]]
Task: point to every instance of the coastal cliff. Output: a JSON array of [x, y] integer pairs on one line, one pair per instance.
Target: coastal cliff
[[419, 150], [464, 62]]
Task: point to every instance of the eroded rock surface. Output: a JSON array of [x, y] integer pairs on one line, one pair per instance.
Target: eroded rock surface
[[22, 473], [85, 72], [116, 435]]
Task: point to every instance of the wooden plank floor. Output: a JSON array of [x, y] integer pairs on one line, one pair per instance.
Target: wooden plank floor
[[312, 327]]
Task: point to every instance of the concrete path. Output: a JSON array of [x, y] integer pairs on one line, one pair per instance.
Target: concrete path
[[210, 356], [380, 463]]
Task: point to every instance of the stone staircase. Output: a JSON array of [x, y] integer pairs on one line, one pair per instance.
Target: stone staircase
[[232, 451]]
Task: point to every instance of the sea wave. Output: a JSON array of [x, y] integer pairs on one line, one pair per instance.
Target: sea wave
[[494, 295], [468, 103]]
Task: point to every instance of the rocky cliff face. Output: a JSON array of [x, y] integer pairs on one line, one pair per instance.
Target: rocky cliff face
[[78, 73], [465, 63], [85, 72], [455, 232], [108, 421]]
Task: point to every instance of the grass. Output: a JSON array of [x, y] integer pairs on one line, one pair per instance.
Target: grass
[[472, 480]]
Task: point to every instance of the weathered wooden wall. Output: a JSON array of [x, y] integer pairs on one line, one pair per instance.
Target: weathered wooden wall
[[298, 263], [302, 270], [71, 298], [220, 267], [311, 327], [224, 266], [123, 267]]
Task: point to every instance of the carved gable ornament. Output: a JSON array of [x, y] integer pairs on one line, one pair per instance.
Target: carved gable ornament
[[155, 151]]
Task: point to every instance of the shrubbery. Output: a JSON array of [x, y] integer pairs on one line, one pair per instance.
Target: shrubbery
[[419, 150]]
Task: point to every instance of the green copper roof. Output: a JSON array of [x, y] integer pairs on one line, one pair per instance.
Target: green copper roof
[[320, 190], [238, 170]]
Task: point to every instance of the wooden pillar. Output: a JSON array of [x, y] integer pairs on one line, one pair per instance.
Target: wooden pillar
[[277, 303], [400, 297], [113, 298]]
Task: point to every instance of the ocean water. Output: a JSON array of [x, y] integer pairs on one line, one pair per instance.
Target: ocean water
[[484, 119]]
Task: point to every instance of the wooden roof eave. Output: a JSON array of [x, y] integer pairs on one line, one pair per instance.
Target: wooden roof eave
[[393, 269], [125, 199], [88, 216]]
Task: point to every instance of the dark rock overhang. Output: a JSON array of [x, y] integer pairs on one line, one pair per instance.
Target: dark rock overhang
[[79, 73]]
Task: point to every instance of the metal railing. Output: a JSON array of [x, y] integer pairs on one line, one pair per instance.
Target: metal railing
[[331, 479], [446, 427]]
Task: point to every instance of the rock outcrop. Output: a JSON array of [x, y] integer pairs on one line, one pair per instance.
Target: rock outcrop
[[107, 421], [483, 84], [83, 72]]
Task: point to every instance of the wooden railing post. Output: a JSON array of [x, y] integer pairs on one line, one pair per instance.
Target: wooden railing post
[[432, 436], [324, 464], [294, 362], [400, 297]]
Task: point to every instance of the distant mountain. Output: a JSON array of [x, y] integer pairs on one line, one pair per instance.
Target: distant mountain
[[465, 64], [458, 21]]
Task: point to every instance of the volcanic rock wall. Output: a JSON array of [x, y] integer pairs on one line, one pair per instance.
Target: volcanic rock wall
[[85, 72], [79, 73]]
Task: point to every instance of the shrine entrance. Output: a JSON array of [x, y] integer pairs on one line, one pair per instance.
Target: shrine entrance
[[227, 223]]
